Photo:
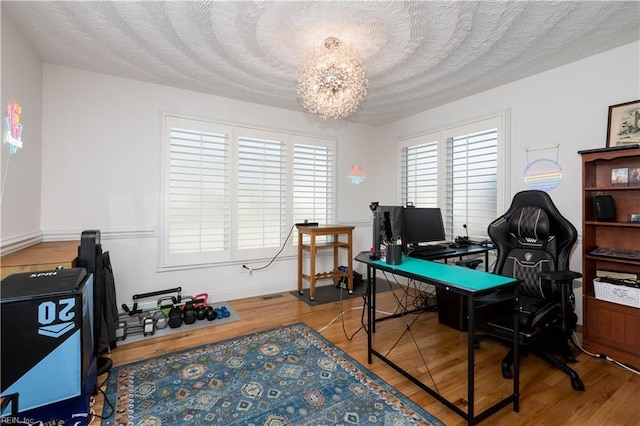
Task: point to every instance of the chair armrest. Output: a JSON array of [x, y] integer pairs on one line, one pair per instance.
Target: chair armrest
[[559, 275], [565, 278]]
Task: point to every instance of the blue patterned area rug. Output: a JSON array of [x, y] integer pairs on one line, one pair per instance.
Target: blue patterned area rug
[[285, 376]]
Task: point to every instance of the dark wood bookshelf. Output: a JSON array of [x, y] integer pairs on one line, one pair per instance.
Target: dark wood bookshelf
[[611, 329]]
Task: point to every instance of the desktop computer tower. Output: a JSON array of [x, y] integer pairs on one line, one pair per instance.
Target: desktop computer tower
[[452, 309], [48, 357]]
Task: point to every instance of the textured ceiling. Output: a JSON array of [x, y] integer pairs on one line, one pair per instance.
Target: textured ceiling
[[418, 54]]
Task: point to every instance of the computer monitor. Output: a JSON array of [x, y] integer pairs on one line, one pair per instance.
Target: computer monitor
[[423, 225]]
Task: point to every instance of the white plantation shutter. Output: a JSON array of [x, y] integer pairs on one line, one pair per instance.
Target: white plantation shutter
[[197, 191], [261, 208], [419, 174], [472, 168], [312, 181]]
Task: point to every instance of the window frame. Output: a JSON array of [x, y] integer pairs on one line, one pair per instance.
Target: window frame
[[499, 120]]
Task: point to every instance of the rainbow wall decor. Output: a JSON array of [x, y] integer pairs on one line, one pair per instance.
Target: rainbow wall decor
[[543, 174]]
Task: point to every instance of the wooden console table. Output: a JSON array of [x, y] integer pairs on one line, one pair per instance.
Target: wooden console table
[[40, 257], [312, 247]]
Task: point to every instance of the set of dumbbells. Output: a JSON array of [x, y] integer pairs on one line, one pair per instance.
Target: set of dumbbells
[[143, 325], [192, 309], [171, 311]]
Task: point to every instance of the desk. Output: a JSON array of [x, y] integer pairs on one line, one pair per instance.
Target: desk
[[312, 247], [464, 281]]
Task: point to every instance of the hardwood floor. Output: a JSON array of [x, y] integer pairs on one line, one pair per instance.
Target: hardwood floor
[[611, 397]]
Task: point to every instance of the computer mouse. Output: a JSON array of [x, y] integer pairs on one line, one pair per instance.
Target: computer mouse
[[455, 245]]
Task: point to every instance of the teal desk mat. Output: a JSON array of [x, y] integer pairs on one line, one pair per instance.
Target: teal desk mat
[[456, 276]]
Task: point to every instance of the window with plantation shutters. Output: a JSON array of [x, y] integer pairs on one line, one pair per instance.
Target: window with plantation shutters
[[234, 193], [459, 170], [197, 191]]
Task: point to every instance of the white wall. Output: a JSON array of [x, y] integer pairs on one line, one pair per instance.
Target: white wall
[[566, 106], [21, 173], [102, 170]]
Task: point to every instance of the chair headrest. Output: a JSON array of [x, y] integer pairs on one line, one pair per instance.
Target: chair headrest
[[530, 223]]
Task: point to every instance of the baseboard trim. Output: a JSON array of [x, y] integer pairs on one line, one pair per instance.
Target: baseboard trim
[[11, 245]]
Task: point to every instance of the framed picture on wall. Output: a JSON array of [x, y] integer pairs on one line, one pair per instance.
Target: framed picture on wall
[[623, 127]]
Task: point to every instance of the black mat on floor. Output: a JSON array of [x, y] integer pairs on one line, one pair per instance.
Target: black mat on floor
[[329, 293]]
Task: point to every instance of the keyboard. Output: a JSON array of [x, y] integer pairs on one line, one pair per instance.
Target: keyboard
[[430, 248], [430, 254]]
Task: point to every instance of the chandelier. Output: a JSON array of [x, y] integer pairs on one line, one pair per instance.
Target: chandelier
[[332, 82]]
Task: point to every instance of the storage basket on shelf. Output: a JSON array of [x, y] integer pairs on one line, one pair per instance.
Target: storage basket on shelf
[[616, 292]]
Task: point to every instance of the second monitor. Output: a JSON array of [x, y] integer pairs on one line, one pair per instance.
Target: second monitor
[[422, 225]]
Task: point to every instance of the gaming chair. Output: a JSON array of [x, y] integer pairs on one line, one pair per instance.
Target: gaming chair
[[534, 243]]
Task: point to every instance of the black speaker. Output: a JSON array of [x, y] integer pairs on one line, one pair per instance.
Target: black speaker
[[604, 208]]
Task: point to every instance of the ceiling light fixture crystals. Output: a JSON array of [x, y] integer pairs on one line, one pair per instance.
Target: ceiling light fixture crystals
[[332, 82]]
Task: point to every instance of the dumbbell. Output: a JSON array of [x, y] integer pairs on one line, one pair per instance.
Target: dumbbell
[[121, 331], [175, 317], [160, 320], [211, 313], [201, 312], [144, 326], [222, 312], [142, 316], [148, 327], [190, 314]]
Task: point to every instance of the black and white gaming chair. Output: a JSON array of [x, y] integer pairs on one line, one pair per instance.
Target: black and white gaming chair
[[534, 243]]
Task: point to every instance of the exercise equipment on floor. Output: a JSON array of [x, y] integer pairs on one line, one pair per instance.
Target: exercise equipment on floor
[[171, 311], [146, 321]]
